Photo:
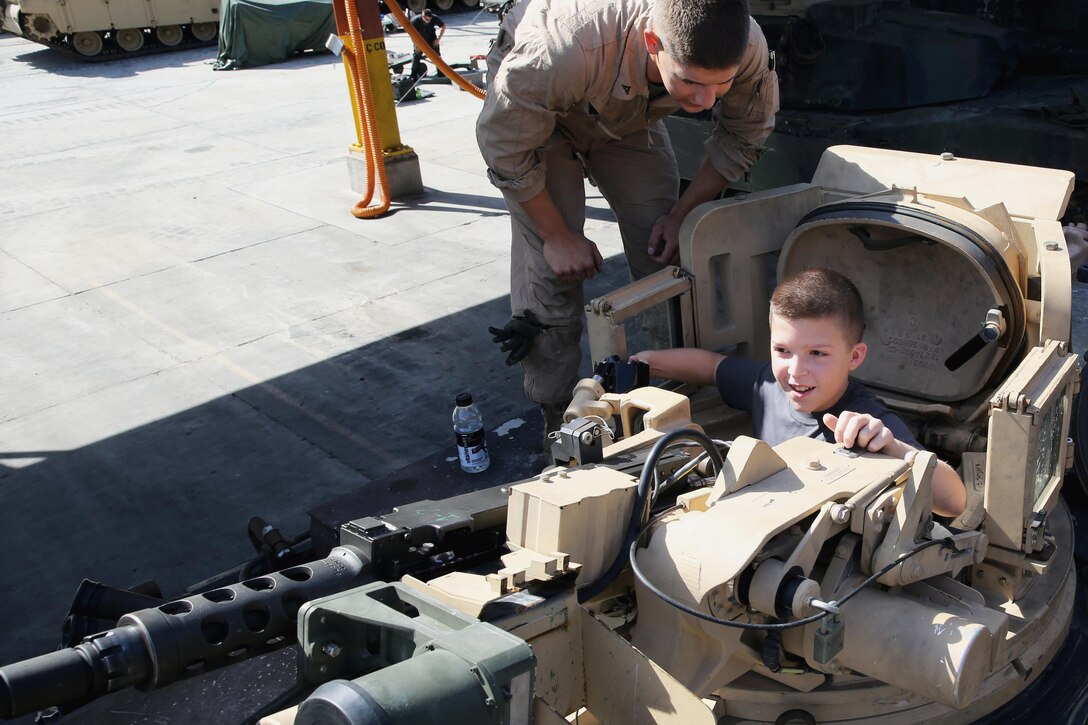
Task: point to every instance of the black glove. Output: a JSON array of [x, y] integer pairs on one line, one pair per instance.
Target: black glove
[[616, 376], [517, 337]]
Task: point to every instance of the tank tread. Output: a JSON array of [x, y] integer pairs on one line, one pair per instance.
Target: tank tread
[[110, 51]]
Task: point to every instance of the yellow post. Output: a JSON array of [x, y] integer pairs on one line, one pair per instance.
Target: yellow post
[[378, 63], [402, 164]]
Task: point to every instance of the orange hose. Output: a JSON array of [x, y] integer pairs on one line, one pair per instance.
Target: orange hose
[[375, 163], [428, 51], [359, 77]]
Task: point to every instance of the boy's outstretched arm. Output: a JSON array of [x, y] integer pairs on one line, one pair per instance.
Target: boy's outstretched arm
[[869, 432], [683, 364]]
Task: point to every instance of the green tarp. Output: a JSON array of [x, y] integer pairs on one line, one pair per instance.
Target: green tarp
[[253, 33]]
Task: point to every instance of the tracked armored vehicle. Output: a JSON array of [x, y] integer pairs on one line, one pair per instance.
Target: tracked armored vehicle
[[95, 30], [670, 568]]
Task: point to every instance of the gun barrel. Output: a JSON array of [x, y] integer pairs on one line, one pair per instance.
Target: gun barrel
[[61, 676]]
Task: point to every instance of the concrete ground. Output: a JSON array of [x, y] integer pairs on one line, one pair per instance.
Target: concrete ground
[[195, 329]]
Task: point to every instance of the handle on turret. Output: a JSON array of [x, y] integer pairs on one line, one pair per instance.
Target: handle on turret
[[993, 327]]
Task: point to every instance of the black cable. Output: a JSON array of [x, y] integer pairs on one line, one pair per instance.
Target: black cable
[[661, 487], [676, 477], [780, 626], [771, 652], [946, 542], [640, 511]]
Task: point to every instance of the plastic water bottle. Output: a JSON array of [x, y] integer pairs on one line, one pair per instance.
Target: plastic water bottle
[[468, 429]]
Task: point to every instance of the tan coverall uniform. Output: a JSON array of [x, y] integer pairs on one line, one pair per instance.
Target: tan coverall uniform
[[567, 84]]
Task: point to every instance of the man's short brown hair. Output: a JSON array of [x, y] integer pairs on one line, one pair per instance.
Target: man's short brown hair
[[711, 34], [821, 293]]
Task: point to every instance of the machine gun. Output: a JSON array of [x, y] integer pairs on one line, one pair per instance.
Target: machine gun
[[159, 645]]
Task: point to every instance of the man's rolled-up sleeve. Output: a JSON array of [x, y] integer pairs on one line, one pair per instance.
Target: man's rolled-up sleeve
[[744, 117], [534, 85]]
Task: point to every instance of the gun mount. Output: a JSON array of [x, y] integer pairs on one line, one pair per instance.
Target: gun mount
[[651, 579]]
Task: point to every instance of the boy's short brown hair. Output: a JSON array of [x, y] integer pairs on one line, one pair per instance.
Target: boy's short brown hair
[[818, 293], [710, 34]]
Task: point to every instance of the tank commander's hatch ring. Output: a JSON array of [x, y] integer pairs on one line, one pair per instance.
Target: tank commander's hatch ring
[[944, 314]]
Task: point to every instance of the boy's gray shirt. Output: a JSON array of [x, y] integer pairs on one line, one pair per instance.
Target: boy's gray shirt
[[750, 385]]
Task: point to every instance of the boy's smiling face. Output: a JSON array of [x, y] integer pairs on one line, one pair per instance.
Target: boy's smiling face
[[811, 359]]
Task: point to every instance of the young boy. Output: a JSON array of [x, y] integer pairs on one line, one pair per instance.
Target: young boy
[[817, 321]]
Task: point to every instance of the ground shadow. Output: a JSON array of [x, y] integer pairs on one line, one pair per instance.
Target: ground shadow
[[439, 200]]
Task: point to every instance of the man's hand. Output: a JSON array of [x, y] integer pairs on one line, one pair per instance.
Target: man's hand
[[861, 430], [665, 236], [572, 257], [665, 239]]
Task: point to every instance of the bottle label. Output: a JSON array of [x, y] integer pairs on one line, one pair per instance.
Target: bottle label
[[471, 447]]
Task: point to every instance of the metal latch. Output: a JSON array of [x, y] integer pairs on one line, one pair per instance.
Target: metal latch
[[1035, 531], [829, 639]]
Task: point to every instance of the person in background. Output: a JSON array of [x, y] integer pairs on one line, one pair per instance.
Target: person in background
[[432, 28]]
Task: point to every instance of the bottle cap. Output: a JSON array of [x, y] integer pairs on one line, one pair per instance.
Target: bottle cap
[[464, 399]]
